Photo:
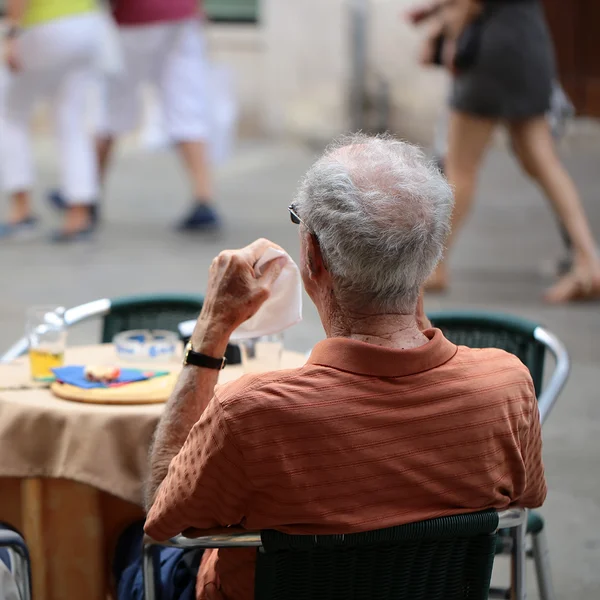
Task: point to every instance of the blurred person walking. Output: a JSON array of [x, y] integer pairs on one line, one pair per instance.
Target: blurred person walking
[[51, 51], [500, 53], [560, 112], [163, 45]]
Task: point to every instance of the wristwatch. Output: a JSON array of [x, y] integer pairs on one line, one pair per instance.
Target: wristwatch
[[191, 357]]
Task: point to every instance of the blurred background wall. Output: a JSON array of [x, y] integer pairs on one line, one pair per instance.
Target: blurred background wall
[[293, 67], [292, 62]]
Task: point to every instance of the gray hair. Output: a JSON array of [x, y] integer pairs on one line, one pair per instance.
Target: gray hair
[[381, 213]]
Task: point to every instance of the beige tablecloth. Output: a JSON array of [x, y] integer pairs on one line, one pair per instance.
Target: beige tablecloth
[[71, 474], [99, 445]]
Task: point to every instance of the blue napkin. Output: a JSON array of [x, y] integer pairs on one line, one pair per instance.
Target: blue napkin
[[75, 375]]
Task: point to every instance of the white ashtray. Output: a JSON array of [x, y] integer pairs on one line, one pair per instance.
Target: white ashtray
[[145, 344]]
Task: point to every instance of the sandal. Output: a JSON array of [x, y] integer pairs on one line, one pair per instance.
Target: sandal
[[26, 228]]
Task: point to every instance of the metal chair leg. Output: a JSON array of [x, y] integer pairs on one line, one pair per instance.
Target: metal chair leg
[[149, 571], [20, 569], [518, 583], [20, 564], [541, 557], [19, 558]]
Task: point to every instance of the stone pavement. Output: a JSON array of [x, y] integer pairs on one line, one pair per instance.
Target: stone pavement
[[499, 265]]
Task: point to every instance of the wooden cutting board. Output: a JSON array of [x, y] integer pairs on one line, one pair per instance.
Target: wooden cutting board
[[151, 391]]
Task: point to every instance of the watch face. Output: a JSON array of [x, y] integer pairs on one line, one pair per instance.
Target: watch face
[[188, 348]]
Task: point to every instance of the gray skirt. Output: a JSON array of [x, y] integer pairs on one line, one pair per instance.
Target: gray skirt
[[512, 76]]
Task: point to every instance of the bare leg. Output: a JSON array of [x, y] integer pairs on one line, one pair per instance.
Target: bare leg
[[535, 148], [530, 168], [194, 156], [77, 218], [468, 138], [104, 150], [20, 208]]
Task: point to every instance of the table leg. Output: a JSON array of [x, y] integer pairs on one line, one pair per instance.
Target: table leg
[[32, 507], [63, 528], [74, 540], [71, 530]]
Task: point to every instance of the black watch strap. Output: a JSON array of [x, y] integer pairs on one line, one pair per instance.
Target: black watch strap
[[198, 359]]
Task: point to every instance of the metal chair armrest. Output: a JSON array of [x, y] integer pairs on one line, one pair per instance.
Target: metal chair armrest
[[559, 377], [19, 554], [512, 517], [235, 540], [77, 314], [11, 539], [96, 308], [224, 540], [16, 350]]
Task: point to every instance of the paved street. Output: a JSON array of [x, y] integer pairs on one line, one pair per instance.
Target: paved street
[[499, 265]]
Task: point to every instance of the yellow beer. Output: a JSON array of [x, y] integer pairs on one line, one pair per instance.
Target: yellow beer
[[42, 361], [47, 336]]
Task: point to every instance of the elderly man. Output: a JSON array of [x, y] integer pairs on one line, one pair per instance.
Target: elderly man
[[387, 423]]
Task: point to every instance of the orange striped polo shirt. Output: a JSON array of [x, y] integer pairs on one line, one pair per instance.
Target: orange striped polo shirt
[[360, 438]]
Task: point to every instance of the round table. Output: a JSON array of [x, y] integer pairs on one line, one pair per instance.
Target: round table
[[71, 473]]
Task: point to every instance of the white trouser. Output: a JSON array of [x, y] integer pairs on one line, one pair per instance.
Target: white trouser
[[58, 60], [170, 57]]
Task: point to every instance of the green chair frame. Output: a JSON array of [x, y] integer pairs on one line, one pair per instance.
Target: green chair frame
[[153, 311], [449, 558], [531, 343]]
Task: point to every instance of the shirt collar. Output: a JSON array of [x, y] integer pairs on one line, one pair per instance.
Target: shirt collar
[[357, 357]]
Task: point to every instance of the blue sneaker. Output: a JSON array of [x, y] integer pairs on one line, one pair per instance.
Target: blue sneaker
[[56, 199], [22, 229], [202, 217], [58, 202], [64, 237]]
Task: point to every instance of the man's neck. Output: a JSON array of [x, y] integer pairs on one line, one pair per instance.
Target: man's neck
[[387, 330]]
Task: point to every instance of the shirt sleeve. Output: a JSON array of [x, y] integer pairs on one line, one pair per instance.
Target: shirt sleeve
[[206, 486], [531, 447]]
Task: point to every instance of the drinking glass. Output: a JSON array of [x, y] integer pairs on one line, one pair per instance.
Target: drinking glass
[[262, 354], [47, 335]]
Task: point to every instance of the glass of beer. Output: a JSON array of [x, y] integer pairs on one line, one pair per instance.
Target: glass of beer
[[262, 353], [47, 336]]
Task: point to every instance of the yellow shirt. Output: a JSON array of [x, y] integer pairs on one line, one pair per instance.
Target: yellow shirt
[[42, 11]]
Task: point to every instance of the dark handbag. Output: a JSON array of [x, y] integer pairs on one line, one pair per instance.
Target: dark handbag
[[468, 44], [438, 49]]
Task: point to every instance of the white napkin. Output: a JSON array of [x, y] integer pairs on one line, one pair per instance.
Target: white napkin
[[282, 310], [283, 307]]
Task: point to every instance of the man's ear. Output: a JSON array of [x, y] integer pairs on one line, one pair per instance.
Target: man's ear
[[314, 258]]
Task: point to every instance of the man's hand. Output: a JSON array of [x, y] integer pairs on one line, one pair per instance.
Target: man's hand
[[418, 14], [235, 291], [423, 321], [11, 54]]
